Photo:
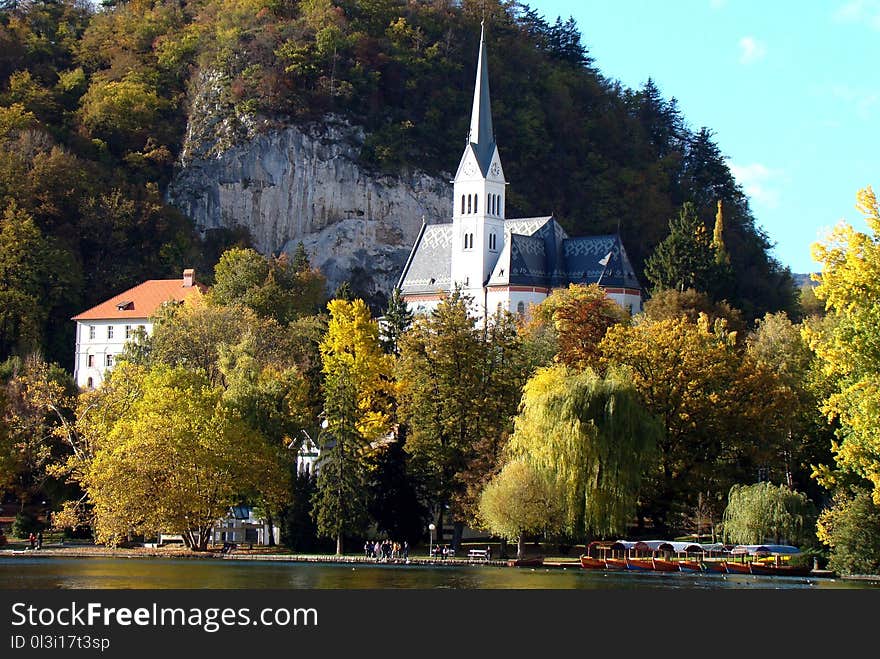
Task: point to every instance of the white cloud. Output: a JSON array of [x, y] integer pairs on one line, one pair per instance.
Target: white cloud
[[866, 12], [757, 181], [751, 50], [861, 100]]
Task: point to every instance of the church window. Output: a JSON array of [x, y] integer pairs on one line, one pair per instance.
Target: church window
[[90, 383], [109, 361], [469, 203], [90, 361], [521, 309], [91, 332], [109, 331], [475, 202], [462, 204]]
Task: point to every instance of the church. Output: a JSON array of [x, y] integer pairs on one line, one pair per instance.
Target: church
[[500, 262]]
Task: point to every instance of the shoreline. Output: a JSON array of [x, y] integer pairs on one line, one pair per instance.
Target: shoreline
[[93, 551]]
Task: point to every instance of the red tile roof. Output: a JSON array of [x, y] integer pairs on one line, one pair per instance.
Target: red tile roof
[[142, 300]]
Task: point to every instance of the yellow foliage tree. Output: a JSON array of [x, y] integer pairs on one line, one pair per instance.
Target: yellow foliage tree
[[850, 346]]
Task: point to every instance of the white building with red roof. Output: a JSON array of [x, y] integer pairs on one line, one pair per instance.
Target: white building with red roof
[[103, 330]]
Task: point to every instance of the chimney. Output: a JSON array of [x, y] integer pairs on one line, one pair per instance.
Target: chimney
[[189, 276]]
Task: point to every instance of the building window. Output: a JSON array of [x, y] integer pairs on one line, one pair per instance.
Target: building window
[[109, 361], [469, 204], [109, 331], [90, 361], [127, 332], [90, 383], [476, 197], [521, 309], [91, 332], [462, 204]]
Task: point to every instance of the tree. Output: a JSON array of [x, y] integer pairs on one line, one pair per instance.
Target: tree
[[764, 512], [686, 258], [851, 528], [723, 415], [397, 320], [518, 501], [357, 378], [591, 439], [580, 316], [174, 461], [850, 346]]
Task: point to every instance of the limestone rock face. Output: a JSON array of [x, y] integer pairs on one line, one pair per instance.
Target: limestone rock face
[[289, 184]]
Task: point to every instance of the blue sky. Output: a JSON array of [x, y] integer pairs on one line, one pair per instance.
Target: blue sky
[[791, 89]]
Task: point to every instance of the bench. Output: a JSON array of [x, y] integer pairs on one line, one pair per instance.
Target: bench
[[478, 554]]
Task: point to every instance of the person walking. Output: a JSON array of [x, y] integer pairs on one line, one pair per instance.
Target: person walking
[[32, 539]]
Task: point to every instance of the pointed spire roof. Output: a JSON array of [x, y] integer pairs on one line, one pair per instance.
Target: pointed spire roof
[[482, 136]]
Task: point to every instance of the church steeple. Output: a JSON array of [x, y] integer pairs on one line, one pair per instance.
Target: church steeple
[[481, 133]]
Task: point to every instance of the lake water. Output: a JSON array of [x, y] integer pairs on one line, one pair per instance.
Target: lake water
[[160, 573]]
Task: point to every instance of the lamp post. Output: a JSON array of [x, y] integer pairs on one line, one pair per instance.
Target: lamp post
[[431, 528]]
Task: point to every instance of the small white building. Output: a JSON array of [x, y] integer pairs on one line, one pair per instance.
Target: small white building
[[103, 330], [499, 262]]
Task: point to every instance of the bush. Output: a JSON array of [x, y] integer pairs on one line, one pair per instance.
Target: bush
[[25, 524]]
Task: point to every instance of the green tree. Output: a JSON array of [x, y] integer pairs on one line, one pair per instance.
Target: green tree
[[851, 528], [764, 512], [397, 320], [518, 501], [592, 440], [686, 258]]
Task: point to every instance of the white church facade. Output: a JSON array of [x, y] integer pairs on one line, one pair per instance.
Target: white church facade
[[500, 262]]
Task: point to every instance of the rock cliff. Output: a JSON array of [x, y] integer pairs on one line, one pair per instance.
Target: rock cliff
[[288, 184]]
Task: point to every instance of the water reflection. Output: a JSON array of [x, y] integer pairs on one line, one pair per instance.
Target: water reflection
[[119, 573]]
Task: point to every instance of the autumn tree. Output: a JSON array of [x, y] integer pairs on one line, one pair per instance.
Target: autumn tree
[[591, 439], [357, 401], [722, 414], [174, 461], [849, 346], [580, 315]]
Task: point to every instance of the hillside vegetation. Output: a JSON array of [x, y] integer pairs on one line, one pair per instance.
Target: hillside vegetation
[[94, 115]]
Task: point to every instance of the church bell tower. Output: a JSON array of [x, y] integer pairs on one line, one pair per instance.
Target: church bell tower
[[478, 195]]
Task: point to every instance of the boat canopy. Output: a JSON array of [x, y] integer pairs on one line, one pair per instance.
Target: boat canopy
[[764, 550], [630, 545], [677, 547]]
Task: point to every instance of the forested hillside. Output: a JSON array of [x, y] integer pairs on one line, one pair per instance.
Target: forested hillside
[[94, 115]]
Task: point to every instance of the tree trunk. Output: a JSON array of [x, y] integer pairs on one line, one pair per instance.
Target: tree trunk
[[339, 544], [271, 529], [440, 526], [457, 530], [520, 545], [503, 548]]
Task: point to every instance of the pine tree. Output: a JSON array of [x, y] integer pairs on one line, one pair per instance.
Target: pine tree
[[685, 259], [398, 318]]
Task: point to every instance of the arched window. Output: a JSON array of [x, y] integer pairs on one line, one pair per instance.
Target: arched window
[[469, 203], [500, 211], [475, 202], [90, 383], [489, 204], [521, 309], [471, 237], [462, 204]]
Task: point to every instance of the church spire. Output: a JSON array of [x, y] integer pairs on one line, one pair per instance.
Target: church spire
[[481, 134]]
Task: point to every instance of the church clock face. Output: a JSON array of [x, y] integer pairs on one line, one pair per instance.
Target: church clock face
[[469, 169], [496, 169]]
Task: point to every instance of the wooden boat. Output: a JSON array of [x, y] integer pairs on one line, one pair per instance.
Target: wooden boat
[[662, 565], [615, 564], [639, 564], [537, 561], [590, 563], [770, 570], [690, 566], [718, 567], [737, 568]]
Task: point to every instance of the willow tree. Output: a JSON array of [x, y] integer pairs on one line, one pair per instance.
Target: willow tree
[[763, 511], [591, 439]]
